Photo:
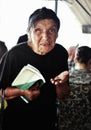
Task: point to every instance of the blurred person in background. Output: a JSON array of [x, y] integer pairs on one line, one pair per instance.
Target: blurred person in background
[[3, 49], [71, 53], [22, 38], [75, 111]]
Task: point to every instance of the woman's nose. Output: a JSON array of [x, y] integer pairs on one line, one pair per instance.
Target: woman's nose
[[45, 35]]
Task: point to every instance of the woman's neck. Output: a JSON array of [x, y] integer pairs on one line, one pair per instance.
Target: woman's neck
[[79, 66]]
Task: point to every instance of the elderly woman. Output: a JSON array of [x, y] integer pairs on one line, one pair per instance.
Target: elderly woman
[[50, 59]]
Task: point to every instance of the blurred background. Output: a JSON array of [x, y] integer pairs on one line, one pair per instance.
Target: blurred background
[[75, 17]]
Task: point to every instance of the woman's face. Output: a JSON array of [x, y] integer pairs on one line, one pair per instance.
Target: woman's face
[[43, 36]]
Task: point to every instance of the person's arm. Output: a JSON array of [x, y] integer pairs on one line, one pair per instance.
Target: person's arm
[[11, 92], [61, 83]]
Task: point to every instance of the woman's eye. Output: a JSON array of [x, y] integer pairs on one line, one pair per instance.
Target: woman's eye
[[52, 30], [38, 30]]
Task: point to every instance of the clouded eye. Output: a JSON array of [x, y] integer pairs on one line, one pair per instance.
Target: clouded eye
[[38, 31], [52, 30]]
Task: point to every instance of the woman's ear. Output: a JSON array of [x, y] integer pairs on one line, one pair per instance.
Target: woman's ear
[[29, 36]]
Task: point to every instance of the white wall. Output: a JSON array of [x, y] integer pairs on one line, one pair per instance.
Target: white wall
[[71, 30]]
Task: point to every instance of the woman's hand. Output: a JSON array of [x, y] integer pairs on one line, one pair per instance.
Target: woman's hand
[[11, 92], [33, 92], [61, 78], [61, 83]]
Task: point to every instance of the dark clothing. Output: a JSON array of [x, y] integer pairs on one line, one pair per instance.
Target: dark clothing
[[23, 38], [3, 49], [40, 113]]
